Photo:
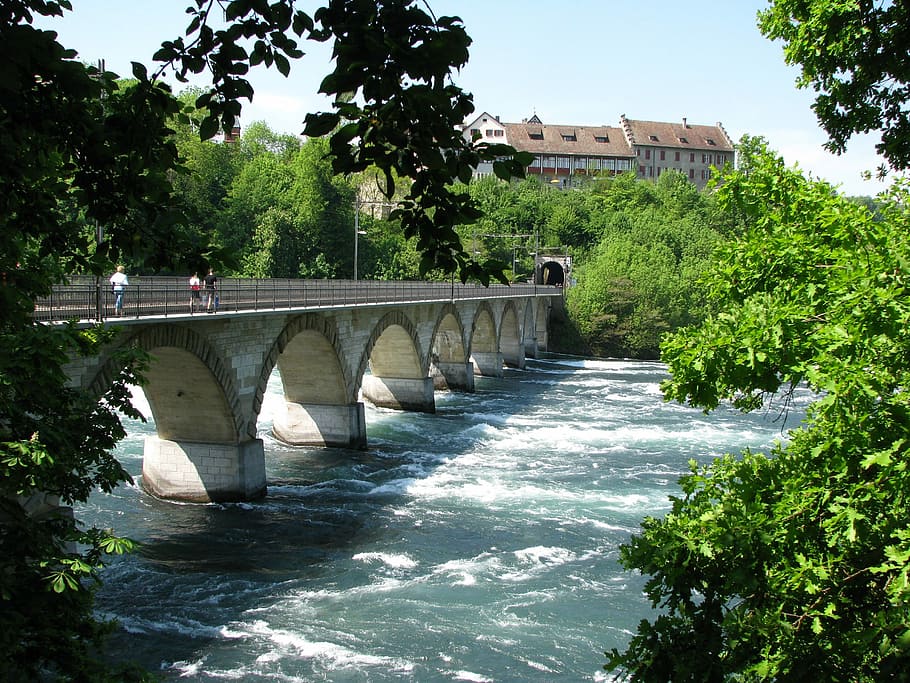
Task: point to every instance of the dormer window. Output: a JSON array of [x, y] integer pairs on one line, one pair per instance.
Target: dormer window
[[684, 141], [601, 138], [569, 137], [710, 141], [536, 134], [653, 138]]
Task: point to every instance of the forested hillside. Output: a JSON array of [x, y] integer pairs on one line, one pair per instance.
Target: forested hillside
[[272, 207]]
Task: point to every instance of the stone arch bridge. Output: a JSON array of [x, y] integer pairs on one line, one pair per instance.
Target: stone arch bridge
[[333, 343]]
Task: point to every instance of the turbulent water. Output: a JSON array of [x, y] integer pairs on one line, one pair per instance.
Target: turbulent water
[[476, 544]]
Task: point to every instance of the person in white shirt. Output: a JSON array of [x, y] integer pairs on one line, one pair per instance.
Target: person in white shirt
[[195, 298], [119, 282]]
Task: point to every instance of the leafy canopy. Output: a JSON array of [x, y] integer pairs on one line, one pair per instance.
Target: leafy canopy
[[792, 566], [87, 164], [853, 54]]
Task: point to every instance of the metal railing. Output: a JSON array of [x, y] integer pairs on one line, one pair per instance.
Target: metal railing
[[85, 298]]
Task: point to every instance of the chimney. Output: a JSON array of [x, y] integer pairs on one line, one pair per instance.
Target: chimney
[[233, 136], [684, 122]]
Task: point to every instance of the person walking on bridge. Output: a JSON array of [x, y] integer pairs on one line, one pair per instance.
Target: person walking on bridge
[[118, 283], [195, 296], [211, 304]]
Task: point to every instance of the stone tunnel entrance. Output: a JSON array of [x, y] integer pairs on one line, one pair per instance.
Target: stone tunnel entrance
[[552, 269]]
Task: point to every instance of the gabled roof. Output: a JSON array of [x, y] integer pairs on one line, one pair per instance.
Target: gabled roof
[[683, 135], [477, 120], [537, 138]]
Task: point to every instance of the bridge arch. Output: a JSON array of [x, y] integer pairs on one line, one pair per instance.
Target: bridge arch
[[321, 407], [190, 389], [510, 339], [450, 366], [204, 449], [448, 336], [485, 354], [393, 349], [310, 360], [399, 367]]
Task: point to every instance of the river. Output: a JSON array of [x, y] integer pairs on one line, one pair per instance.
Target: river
[[476, 544]]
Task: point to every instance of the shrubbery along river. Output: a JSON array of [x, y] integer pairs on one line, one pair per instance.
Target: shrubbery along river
[[476, 544]]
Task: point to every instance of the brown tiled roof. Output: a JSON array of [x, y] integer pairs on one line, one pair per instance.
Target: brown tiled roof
[[682, 135], [538, 138]]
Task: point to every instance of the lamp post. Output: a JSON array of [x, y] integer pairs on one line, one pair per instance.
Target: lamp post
[[357, 233]]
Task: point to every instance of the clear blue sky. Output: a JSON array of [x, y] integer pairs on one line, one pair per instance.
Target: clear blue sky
[[581, 62]]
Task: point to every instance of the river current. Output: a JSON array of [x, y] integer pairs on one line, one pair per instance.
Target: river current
[[476, 544]]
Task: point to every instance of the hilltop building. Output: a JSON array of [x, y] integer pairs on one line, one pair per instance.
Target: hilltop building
[[562, 152]]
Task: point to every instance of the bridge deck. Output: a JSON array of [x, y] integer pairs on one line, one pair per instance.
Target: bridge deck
[[90, 299]]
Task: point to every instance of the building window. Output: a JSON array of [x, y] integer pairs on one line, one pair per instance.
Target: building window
[[535, 163], [489, 132], [601, 138], [653, 138], [677, 157], [498, 133], [562, 162], [684, 141], [663, 155], [691, 157], [569, 138], [647, 154], [710, 141], [691, 174], [475, 132], [581, 162], [641, 170], [535, 134]]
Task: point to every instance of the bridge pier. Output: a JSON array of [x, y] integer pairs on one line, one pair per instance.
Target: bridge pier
[[487, 364], [311, 424], [400, 393], [203, 472], [515, 360], [457, 376]]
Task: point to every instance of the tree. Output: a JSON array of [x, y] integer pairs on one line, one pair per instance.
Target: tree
[[80, 150], [849, 54], [791, 566]]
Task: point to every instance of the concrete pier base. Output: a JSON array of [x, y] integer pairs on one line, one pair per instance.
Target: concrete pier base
[[516, 359], [203, 472], [456, 376], [400, 394], [313, 424], [487, 364]]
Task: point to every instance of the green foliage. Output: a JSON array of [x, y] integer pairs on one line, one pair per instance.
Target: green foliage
[[643, 277], [846, 50], [88, 165], [791, 566]]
